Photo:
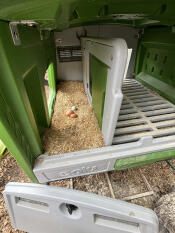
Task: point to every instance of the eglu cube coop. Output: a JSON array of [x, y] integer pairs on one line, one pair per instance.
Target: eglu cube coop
[[122, 51]]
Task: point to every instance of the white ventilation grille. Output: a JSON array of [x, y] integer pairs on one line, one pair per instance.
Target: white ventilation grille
[[69, 53]]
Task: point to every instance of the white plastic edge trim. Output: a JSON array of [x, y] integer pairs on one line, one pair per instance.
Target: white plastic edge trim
[[127, 63]]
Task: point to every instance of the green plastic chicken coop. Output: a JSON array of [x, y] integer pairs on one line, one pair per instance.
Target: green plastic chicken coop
[[33, 38]]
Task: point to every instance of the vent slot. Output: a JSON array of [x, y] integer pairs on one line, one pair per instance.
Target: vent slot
[[69, 53], [32, 204], [116, 224]]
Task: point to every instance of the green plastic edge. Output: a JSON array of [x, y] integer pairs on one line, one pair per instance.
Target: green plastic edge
[[52, 87], [2, 150], [62, 14], [143, 160], [160, 87]]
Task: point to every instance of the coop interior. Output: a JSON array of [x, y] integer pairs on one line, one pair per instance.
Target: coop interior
[[87, 87], [85, 93], [145, 116]]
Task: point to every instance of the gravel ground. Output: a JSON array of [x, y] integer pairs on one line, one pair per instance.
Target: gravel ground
[[165, 210]]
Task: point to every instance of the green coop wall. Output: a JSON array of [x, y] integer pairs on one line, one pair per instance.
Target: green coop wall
[[155, 61], [24, 111]]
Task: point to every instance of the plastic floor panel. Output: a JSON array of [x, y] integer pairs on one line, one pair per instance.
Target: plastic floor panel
[[143, 113]]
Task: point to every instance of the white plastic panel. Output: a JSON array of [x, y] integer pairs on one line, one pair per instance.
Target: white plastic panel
[[38, 208], [73, 70], [113, 53], [68, 70]]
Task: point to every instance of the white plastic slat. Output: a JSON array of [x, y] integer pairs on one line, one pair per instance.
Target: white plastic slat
[[160, 112], [128, 123], [130, 116], [127, 111], [164, 117], [121, 138], [126, 106], [155, 107], [150, 103], [165, 124], [133, 90], [145, 99], [138, 94], [141, 96], [132, 129]]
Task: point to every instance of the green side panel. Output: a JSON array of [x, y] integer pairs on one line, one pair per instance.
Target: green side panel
[[34, 93], [23, 104], [61, 14], [15, 139], [98, 77], [155, 61], [143, 160]]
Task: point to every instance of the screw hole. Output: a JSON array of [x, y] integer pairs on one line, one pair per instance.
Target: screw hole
[[70, 210]]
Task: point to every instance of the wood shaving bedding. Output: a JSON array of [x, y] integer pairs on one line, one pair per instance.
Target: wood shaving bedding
[[72, 134]]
